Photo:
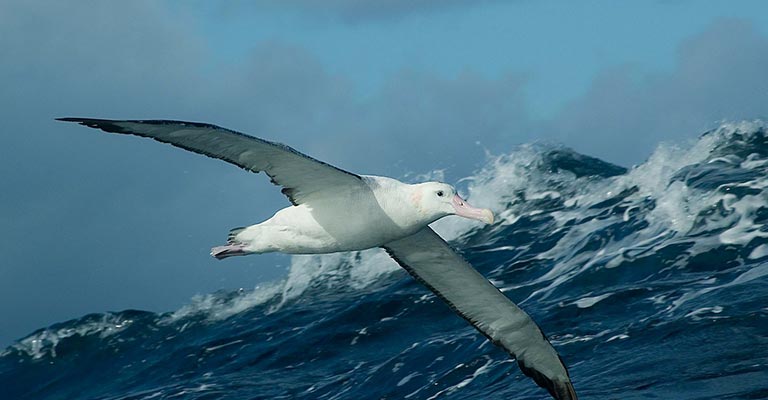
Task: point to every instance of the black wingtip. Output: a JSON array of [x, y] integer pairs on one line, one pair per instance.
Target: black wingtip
[[565, 391], [80, 120], [105, 125], [559, 389]]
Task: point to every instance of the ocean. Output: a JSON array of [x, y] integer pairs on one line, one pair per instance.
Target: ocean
[[651, 282]]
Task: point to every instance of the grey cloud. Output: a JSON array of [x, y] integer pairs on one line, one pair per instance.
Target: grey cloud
[[415, 123], [720, 75], [447, 123], [352, 11]]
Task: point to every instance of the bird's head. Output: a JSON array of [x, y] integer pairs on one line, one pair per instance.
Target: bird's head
[[437, 200]]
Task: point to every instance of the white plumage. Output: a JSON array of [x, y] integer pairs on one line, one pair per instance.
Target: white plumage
[[368, 213]]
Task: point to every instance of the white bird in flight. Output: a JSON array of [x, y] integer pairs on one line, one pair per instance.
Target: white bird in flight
[[334, 210]]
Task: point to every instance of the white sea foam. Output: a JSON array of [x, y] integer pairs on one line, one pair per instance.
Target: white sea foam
[[216, 307], [483, 369], [353, 269], [745, 209], [676, 207], [44, 343], [743, 278], [620, 336], [586, 302], [407, 378], [567, 339], [702, 312], [759, 252]]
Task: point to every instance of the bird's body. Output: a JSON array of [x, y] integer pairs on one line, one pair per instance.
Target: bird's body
[[316, 228], [334, 210]]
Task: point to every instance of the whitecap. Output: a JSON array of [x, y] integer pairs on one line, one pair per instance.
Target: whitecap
[[44, 343], [586, 302]]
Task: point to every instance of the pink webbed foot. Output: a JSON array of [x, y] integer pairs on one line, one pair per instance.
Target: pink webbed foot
[[230, 250]]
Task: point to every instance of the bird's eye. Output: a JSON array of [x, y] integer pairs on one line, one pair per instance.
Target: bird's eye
[[440, 193]]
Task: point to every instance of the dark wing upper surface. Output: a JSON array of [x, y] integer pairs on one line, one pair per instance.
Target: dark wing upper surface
[[303, 178], [433, 262]]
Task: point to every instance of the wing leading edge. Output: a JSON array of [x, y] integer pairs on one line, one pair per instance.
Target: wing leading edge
[[429, 259], [301, 176]]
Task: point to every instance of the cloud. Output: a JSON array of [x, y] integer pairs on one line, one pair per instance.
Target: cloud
[[416, 122], [719, 74], [351, 11], [104, 48], [427, 122]]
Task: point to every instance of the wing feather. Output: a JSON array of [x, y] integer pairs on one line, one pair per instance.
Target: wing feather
[[431, 261], [302, 177]]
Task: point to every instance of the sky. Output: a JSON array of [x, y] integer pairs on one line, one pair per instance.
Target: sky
[[91, 222]]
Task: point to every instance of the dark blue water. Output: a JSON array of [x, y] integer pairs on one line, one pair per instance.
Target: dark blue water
[[651, 282]]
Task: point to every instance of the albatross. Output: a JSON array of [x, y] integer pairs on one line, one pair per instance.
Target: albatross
[[333, 210]]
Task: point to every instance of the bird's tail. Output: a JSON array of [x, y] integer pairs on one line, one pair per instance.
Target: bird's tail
[[233, 234], [230, 250], [234, 247]]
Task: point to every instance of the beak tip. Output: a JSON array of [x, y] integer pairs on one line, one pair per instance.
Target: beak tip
[[489, 217]]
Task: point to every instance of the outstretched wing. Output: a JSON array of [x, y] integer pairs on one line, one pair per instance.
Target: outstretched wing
[[302, 177], [431, 261]]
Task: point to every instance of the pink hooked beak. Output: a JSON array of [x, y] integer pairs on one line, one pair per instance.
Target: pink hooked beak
[[465, 210]]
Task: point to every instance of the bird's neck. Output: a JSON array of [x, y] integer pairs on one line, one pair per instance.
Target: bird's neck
[[403, 203]]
